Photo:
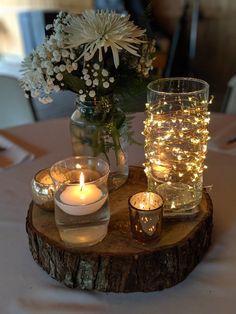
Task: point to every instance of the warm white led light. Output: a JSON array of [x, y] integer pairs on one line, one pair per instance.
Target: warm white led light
[[164, 137]]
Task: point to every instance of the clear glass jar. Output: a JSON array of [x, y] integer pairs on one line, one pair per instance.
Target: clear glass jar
[[176, 135], [99, 129], [82, 210]]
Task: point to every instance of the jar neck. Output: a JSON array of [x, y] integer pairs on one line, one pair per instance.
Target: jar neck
[[99, 111], [104, 103]]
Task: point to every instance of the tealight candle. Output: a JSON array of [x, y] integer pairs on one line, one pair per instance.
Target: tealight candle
[[81, 199], [42, 189], [145, 209]]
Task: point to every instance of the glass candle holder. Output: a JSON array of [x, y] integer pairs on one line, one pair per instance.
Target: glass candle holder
[[42, 190], [81, 200], [145, 211], [176, 135]]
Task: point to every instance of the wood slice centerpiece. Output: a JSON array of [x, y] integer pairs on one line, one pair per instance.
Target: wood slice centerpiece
[[119, 263]]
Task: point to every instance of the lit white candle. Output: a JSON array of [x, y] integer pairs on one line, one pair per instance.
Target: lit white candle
[[81, 199], [146, 201]]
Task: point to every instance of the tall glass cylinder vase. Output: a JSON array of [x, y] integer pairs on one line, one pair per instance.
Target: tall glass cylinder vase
[[176, 135], [99, 129]]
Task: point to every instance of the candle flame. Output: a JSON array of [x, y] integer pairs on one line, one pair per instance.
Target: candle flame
[[81, 181]]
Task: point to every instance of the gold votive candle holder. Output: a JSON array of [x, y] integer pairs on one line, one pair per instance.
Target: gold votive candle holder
[[42, 188], [145, 211]]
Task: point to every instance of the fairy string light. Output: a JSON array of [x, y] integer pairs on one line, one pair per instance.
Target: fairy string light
[[176, 140]]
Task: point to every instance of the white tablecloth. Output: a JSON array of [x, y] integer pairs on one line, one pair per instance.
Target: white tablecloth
[[26, 288]]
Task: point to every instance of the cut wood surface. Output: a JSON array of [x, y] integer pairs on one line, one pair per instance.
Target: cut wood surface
[[119, 263]]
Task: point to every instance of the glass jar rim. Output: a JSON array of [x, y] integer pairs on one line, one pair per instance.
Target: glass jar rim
[[144, 210], [99, 160], [36, 178], [205, 85], [93, 101]]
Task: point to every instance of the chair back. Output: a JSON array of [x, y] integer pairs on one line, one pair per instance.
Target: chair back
[[15, 108], [229, 102]]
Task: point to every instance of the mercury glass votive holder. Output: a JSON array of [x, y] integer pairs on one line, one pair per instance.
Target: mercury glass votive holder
[[145, 211], [176, 135], [81, 200], [42, 189]]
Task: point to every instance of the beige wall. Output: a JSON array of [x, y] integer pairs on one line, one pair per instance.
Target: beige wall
[[64, 5], [10, 37]]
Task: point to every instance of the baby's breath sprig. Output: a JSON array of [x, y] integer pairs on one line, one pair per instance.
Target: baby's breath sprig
[[83, 54]]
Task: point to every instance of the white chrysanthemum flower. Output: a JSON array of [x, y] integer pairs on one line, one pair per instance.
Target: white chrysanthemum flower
[[35, 93], [101, 30], [42, 52], [59, 76], [92, 93], [72, 56], [69, 68], [62, 67], [56, 54], [32, 77], [75, 66], [56, 88], [96, 66], [104, 72], [50, 72], [56, 69], [48, 26], [106, 84], [50, 81], [96, 82], [65, 53], [88, 82], [82, 97]]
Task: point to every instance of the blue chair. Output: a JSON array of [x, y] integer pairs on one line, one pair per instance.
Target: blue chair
[[229, 102], [15, 108]]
